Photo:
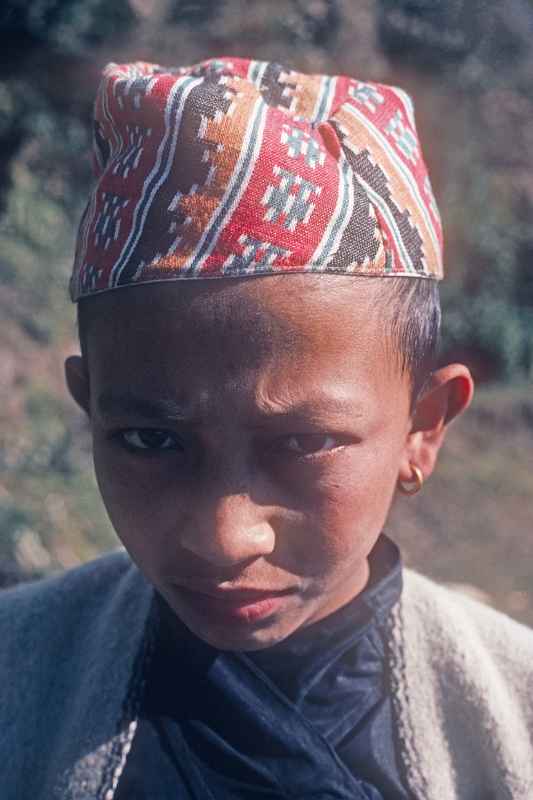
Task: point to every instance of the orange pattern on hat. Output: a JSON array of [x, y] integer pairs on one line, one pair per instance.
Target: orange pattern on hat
[[235, 167]]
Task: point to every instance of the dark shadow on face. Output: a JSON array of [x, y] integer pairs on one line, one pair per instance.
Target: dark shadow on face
[[248, 436]]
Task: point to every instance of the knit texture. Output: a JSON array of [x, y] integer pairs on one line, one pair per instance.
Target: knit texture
[[69, 648], [463, 690], [70, 669]]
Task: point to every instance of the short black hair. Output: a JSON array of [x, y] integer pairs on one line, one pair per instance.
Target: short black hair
[[416, 322], [412, 311]]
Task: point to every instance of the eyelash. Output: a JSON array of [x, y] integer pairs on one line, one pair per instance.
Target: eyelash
[[338, 442], [313, 454], [122, 438]]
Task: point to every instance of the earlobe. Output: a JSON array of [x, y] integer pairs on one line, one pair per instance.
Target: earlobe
[[415, 483], [78, 382], [448, 395]]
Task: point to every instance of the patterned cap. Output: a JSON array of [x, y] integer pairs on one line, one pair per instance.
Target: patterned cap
[[235, 167]]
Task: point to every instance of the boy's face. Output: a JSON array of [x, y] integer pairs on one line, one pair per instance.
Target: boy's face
[[248, 437]]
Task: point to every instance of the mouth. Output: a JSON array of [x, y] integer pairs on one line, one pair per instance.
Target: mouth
[[225, 606]]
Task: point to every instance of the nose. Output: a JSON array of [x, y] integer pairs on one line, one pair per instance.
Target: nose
[[228, 530]]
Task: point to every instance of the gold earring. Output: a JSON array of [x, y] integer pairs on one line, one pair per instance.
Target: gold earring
[[414, 484]]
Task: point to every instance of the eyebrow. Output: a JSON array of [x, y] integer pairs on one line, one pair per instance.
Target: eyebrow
[[111, 404], [314, 407]]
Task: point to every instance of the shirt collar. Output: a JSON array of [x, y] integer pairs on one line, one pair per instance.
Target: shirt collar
[[342, 628], [382, 591]]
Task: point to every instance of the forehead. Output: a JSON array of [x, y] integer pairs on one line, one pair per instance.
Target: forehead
[[288, 310], [292, 333]]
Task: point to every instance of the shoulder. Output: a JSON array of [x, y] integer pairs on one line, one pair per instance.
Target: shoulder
[[69, 646], [462, 681], [75, 583], [448, 615], [46, 611]]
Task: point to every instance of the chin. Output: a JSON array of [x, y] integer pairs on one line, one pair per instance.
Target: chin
[[247, 626], [225, 637]]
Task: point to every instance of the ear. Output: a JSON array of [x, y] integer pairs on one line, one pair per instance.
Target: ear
[[448, 394], [78, 382]]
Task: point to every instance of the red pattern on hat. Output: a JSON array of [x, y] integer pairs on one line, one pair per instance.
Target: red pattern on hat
[[234, 167]]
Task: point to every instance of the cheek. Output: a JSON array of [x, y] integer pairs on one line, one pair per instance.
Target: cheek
[[132, 497], [347, 508]]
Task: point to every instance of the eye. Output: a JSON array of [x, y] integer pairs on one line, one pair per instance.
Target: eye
[[310, 444], [149, 439]]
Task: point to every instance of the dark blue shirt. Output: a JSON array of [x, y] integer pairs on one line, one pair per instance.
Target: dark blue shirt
[[335, 672], [332, 672]]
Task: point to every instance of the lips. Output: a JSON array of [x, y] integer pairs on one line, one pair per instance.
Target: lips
[[238, 605]]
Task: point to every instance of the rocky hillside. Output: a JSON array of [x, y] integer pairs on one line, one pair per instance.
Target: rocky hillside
[[467, 63]]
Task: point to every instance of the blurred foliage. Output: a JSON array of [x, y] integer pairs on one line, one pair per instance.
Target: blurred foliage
[[440, 33], [63, 24], [482, 53], [468, 65], [472, 523]]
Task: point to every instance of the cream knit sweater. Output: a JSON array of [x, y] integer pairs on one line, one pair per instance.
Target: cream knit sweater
[[463, 693], [71, 650]]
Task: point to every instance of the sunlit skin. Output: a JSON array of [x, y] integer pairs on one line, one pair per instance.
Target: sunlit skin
[[249, 435]]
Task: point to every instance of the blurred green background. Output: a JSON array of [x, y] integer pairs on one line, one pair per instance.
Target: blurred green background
[[469, 66]]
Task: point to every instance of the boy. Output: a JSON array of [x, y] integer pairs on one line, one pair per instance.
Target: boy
[[256, 276]]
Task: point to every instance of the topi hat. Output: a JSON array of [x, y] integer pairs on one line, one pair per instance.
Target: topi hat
[[234, 168]]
